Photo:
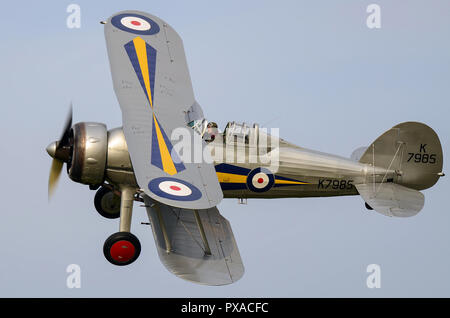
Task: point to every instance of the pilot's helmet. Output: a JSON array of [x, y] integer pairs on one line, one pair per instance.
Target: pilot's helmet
[[212, 125]]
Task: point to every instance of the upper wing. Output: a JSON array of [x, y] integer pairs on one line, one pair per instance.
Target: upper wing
[[196, 245], [392, 199], [153, 86]]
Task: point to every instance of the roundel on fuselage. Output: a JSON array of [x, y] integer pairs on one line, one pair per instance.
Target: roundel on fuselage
[[260, 180]]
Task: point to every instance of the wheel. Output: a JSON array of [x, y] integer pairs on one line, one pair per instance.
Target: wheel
[[122, 248], [107, 203], [368, 207]]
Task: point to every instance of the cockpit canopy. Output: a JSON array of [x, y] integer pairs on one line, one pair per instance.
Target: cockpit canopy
[[234, 133]]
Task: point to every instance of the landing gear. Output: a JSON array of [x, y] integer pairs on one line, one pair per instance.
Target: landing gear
[[107, 203], [368, 207], [122, 248]]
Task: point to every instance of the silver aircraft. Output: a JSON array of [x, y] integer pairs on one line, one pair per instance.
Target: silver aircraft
[[141, 161]]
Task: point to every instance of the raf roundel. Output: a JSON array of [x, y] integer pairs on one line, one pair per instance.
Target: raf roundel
[[135, 23], [174, 189], [260, 180]]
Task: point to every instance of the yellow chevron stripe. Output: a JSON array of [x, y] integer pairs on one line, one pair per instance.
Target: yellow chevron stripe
[[231, 178], [141, 52], [289, 182], [166, 158]]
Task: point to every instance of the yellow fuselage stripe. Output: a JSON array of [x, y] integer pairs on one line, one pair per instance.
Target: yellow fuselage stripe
[[166, 158], [141, 53], [231, 178], [236, 178], [289, 182]]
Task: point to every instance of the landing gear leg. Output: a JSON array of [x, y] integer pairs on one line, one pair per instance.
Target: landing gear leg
[[126, 209], [123, 248]]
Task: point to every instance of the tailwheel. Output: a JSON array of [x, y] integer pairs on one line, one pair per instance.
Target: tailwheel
[[122, 248], [368, 207], [107, 203]]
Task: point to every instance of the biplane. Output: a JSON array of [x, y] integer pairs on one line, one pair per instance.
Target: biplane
[[142, 161]]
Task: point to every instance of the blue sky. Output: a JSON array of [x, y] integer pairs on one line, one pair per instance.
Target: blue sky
[[311, 68]]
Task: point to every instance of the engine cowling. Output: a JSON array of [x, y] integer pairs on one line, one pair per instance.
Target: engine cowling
[[87, 163]]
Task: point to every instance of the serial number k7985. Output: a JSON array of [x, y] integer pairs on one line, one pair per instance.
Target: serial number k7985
[[335, 184]]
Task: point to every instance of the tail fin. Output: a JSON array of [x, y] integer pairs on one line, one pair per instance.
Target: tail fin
[[411, 148]]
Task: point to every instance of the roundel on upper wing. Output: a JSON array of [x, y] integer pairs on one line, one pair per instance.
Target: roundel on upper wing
[[135, 23], [260, 180], [174, 189]]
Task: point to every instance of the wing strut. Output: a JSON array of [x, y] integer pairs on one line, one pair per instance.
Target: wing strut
[[202, 232], [163, 228]]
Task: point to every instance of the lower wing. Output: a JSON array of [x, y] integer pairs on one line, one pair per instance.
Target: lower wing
[[196, 245]]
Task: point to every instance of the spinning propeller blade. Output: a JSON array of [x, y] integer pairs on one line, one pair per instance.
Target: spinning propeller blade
[[59, 151], [55, 172]]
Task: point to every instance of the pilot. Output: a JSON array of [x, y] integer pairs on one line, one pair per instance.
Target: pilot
[[212, 131]]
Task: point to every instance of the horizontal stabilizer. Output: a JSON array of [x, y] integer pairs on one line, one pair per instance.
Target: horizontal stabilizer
[[196, 245], [392, 199]]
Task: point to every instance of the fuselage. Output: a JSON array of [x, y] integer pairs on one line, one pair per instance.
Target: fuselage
[[297, 172]]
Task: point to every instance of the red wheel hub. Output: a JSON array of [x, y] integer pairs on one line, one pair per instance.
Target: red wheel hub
[[122, 251]]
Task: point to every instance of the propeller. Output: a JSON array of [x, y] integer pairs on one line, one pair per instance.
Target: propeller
[[60, 152]]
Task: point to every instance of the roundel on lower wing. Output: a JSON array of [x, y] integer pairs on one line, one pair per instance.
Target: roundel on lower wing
[[174, 189], [135, 23], [260, 180]]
